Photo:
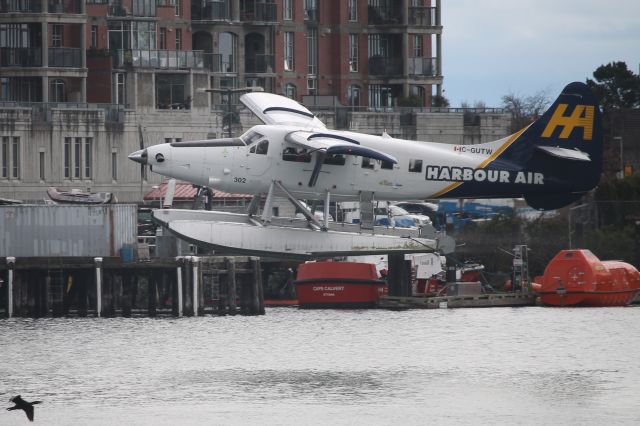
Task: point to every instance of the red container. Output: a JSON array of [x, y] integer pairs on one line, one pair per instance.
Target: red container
[[579, 278], [338, 285]]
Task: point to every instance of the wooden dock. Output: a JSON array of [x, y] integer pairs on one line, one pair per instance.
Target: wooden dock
[[445, 302], [108, 287]]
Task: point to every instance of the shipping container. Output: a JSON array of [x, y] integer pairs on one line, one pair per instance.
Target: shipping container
[[66, 230]]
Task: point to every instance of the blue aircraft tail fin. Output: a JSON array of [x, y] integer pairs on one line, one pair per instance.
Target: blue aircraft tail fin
[[565, 145]]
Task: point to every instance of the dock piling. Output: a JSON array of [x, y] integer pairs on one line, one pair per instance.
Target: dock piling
[[11, 262], [178, 312], [230, 266], [98, 262], [195, 262]]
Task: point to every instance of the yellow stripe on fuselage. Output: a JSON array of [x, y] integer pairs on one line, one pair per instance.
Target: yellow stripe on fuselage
[[489, 159]]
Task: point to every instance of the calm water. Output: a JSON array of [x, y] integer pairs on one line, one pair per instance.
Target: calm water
[[523, 366]]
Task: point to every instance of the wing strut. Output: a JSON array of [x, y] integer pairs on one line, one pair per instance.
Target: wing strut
[[320, 156], [313, 222]]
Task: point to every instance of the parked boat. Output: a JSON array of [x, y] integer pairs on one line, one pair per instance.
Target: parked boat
[[338, 285], [76, 196], [579, 278]]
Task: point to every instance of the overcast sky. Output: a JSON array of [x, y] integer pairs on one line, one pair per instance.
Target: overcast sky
[[494, 47]]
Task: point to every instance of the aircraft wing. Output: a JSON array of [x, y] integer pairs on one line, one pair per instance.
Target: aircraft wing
[[275, 109], [336, 144]]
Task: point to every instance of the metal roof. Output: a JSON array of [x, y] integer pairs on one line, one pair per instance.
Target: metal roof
[[186, 191]]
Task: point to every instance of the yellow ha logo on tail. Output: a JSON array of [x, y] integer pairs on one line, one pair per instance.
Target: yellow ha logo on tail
[[582, 116]]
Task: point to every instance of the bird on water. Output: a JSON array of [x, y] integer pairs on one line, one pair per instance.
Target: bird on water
[[21, 404]]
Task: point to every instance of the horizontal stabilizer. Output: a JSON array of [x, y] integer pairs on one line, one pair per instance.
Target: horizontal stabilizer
[[551, 201], [569, 154]]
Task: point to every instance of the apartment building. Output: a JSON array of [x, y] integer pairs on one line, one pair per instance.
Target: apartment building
[[377, 53]]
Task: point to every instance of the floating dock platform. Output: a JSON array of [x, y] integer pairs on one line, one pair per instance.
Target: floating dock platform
[[447, 302]]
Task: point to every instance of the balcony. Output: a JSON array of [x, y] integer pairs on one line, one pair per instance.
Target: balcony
[[423, 16], [20, 57], [165, 3], [427, 67], [384, 15], [254, 11], [65, 57], [20, 6], [117, 10], [212, 10], [259, 63], [65, 6], [161, 59], [215, 62], [379, 65]]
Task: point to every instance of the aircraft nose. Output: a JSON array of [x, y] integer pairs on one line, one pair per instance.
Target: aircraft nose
[[139, 156]]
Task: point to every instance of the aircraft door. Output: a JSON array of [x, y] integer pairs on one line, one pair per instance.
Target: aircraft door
[[259, 158]]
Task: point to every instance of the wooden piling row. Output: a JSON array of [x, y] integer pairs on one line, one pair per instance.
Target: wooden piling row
[[107, 287]]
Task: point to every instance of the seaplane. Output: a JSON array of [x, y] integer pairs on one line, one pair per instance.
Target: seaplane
[[550, 163]]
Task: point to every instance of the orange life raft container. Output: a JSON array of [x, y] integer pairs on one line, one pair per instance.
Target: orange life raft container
[[579, 278]]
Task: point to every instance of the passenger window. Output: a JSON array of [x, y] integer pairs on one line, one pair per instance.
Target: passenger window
[[387, 165], [262, 147], [292, 154], [253, 150], [415, 166], [335, 159], [367, 163]]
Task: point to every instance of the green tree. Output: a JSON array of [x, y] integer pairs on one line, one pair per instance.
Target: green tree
[[440, 101], [616, 86]]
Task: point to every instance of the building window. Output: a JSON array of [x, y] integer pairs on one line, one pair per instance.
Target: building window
[[353, 52], [119, 88], [114, 166], [56, 91], [163, 38], [67, 158], [417, 46], [132, 35], [42, 166], [178, 39], [75, 150], [388, 165], [227, 49], [11, 157], [353, 10], [312, 51], [353, 95], [56, 35], [170, 90], [288, 51], [88, 158], [312, 86], [94, 36], [178, 8], [287, 10], [310, 10], [77, 158], [290, 91]]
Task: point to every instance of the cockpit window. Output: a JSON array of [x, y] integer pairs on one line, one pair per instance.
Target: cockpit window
[[262, 147], [251, 137]]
